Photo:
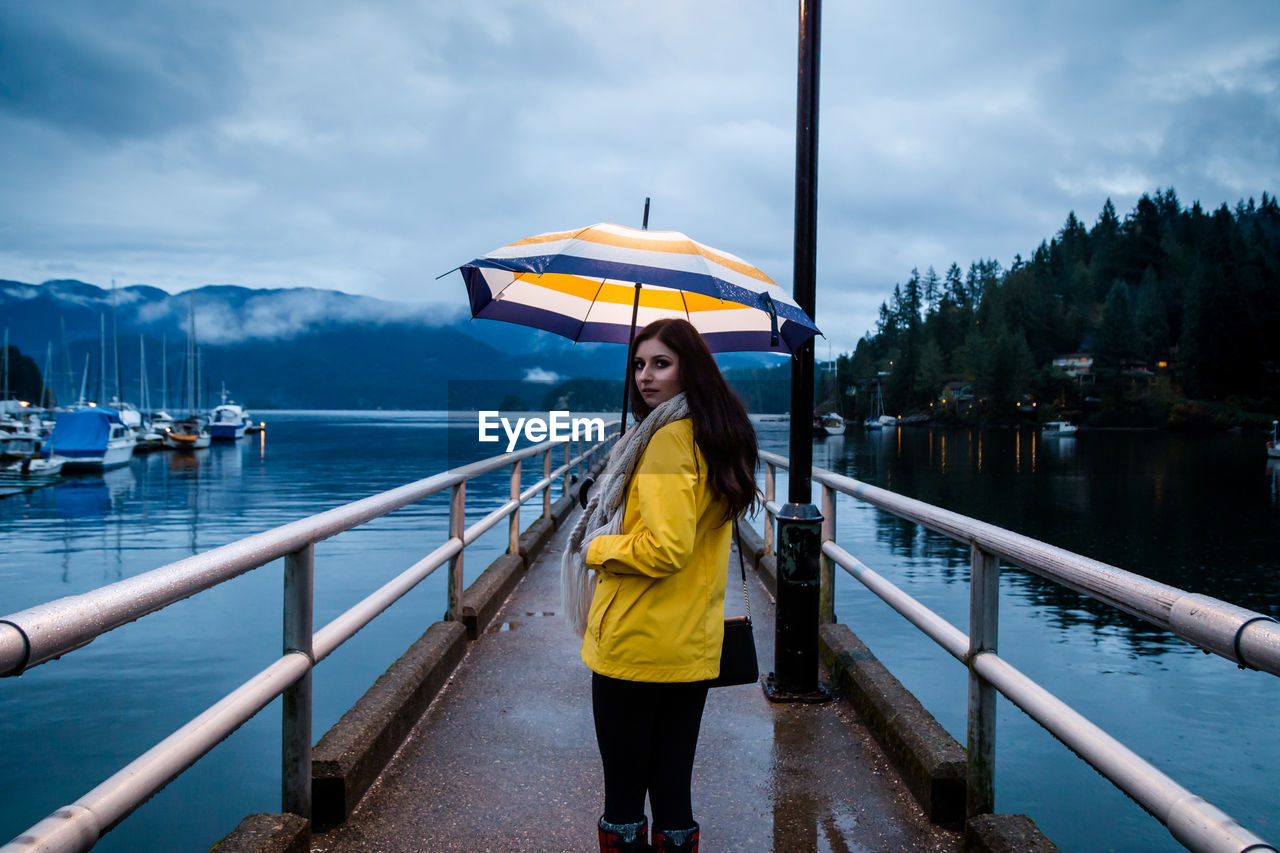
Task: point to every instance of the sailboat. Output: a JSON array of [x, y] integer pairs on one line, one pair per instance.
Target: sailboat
[[190, 433], [878, 419], [150, 436]]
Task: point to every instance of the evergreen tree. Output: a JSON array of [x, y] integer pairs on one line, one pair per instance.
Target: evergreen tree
[[911, 300], [1105, 238], [954, 288], [973, 285], [932, 290]]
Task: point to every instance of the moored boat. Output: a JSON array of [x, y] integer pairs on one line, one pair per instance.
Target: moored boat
[[1273, 446], [1058, 428], [878, 419], [829, 424], [228, 422], [187, 434], [21, 455], [93, 438]]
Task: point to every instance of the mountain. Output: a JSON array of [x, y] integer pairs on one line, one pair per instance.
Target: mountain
[[288, 348]]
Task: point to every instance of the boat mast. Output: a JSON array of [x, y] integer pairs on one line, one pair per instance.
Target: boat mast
[[70, 376], [115, 343], [143, 402], [102, 358], [6, 363], [164, 372], [191, 356], [84, 380], [44, 377]]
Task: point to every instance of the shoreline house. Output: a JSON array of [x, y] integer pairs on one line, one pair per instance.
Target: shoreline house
[[1077, 365]]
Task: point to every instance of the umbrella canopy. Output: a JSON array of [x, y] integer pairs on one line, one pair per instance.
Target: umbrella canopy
[[584, 285]]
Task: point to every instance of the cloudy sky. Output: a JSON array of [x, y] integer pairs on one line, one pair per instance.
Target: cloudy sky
[[368, 147]]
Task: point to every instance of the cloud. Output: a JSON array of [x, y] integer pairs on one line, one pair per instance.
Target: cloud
[[541, 377], [117, 71], [18, 291], [281, 315]]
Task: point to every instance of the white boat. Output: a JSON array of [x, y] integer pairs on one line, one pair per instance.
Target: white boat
[[161, 421], [831, 423], [21, 455], [129, 414], [94, 437], [1273, 446], [228, 422], [188, 434], [878, 419], [155, 427], [149, 439], [1056, 428]]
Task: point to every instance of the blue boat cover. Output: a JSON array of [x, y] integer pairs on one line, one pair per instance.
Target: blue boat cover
[[83, 431]]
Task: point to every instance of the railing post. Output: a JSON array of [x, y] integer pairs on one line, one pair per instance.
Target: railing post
[[513, 522], [299, 577], [827, 567], [457, 526], [582, 459], [546, 475], [984, 620], [770, 490], [568, 456]]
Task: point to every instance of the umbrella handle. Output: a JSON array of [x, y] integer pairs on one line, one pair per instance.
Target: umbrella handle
[[773, 318], [626, 374]]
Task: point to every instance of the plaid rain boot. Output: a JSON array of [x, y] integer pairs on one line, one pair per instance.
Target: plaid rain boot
[[624, 837], [676, 840]]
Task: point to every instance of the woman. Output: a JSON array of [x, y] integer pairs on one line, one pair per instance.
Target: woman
[[656, 536]]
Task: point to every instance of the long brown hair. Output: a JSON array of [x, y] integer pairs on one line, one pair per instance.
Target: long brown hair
[[721, 428]]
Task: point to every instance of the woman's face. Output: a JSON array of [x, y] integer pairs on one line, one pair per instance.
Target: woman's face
[[657, 372]]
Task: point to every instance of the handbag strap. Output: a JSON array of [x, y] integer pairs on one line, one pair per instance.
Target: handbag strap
[[742, 565]]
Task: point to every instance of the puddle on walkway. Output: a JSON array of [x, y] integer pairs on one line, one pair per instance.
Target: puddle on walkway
[[513, 624]]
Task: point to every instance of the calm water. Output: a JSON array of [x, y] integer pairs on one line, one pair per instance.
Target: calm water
[[1201, 513]]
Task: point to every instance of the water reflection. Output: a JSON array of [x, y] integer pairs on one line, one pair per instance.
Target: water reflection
[[1061, 447], [90, 495]]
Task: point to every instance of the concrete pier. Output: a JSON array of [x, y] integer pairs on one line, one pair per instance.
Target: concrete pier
[[505, 756]]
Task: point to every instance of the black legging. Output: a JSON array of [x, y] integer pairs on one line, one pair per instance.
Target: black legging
[[648, 733]]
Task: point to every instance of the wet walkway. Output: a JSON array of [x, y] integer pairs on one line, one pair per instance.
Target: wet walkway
[[505, 758]]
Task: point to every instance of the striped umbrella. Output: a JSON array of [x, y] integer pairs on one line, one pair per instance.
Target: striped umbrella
[[601, 282]]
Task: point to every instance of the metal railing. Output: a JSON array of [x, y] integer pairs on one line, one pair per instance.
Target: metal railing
[[1243, 636], [38, 634]]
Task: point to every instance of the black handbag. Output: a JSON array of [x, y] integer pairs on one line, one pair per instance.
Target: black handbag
[[738, 652]]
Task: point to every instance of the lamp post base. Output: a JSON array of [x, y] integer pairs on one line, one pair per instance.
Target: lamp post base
[[821, 693]]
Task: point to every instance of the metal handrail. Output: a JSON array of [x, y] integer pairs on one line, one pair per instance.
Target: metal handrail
[[1240, 635], [38, 634]]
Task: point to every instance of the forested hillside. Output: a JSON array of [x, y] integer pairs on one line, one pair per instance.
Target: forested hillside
[[1178, 310]]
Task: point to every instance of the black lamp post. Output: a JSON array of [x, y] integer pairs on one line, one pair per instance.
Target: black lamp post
[[795, 675]]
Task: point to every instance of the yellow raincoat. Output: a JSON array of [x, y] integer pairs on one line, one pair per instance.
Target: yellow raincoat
[[658, 610]]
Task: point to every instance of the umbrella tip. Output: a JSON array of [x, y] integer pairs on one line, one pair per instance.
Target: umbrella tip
[[645, 224]]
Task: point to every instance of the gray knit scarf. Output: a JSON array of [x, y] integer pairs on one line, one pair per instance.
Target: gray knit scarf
[[603, 515]]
